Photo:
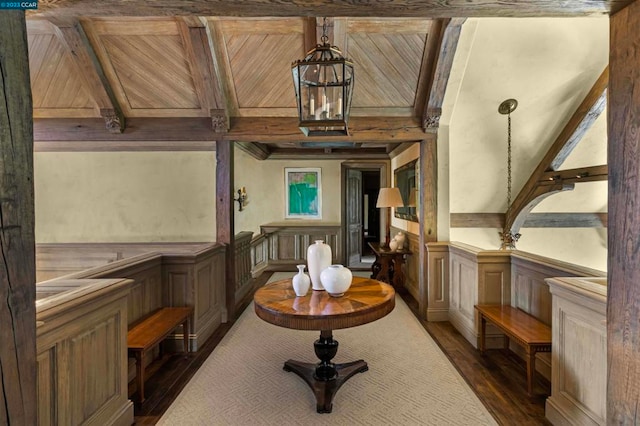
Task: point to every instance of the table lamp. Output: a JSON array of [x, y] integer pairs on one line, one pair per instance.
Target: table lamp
[[389, 197]]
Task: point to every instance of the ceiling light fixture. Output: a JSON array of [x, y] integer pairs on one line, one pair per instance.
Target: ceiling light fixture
[[508, 238], [323, 83]]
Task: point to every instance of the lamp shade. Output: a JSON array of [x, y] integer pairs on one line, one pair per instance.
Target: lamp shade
[[389, 197]]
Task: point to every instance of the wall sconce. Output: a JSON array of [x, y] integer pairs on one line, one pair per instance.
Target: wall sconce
[[242, 198]]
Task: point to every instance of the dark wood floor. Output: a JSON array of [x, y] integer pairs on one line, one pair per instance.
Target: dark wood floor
[[498, 378]]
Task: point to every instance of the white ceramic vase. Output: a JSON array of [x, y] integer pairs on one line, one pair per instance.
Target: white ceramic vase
[[400, 239], [336, 279], [318, 258], [393, 245], [301, 281]]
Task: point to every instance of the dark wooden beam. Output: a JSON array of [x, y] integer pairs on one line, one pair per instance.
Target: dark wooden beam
[[428, 65], [392, 130], [18, 397], [623, 289], [73, 37], [533, 192], [138, 129], [533, 220], [566, 220], [582, 174], [373, 8], [225, 219], [445, 45], [201, 62], [361, 129], [427, 212], [256, 150], [476, 220], [328, 154]]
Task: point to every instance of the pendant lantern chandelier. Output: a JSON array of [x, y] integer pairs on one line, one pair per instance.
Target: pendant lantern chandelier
[[323, 83]]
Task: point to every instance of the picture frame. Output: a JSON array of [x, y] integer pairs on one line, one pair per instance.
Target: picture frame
[[406, 180], [303, 192]]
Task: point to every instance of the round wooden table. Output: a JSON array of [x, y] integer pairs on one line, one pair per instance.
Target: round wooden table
[[366, 300]]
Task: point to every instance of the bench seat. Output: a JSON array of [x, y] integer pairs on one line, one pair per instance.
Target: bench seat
[[151, 331], [524, 329]]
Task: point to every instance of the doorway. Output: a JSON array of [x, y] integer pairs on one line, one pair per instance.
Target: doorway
[[361, 220]]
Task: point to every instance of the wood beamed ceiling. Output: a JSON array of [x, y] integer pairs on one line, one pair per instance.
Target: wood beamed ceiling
[[114, 74], [155, 82]]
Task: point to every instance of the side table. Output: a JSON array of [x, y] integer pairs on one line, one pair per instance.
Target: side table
[[388, 265]]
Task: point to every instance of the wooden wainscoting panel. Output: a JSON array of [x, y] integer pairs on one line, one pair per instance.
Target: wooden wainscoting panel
[[97, 338], [46, 364], [463, 292], [288, 242], [579, 377], [438, 281], [83, 339], [494, 277], [259, 255]]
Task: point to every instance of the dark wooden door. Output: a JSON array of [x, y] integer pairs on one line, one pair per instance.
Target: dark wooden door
[[354, 216]]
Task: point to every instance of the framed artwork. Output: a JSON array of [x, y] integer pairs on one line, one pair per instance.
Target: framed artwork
[[303, 193]]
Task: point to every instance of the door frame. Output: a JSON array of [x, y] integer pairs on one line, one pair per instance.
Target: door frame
[[383, 166]]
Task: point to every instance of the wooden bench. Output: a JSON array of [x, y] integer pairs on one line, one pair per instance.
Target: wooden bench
[[524, 329], [151, 331]]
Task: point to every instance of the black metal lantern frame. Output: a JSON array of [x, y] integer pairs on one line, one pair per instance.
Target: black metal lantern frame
[[323, 82]]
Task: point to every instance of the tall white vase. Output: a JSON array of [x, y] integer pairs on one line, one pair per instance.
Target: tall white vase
[[318, 258], [300, 281]]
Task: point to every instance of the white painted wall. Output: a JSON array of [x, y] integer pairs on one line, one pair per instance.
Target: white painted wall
[[265, 186], [548, 65], [125, 197]]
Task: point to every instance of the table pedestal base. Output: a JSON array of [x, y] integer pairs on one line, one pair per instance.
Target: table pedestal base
[[325, 377]]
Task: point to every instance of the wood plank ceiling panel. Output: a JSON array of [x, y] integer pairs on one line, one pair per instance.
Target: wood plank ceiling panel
[[153, 71], [57, 90], [387, 65], [147, 66], [259, 54]]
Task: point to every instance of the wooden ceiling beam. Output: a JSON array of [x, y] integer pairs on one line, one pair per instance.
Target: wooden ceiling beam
[[195, 40], [254, 149], [72, 36], [582, 174], [361, 129], [445, 45], [396, 8], [533, 191], [322, 154], [388, 130]]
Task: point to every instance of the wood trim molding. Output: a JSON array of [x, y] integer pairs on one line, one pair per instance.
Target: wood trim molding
[[534, 220], [202, 65], [582, 174], [18, 393], [533, 191], [396, 8], [447, 43], [256, 150]]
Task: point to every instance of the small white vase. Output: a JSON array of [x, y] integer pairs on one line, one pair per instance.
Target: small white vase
[[318, 258], [393, 245], [300, 281], [400, 239], [336, 279]]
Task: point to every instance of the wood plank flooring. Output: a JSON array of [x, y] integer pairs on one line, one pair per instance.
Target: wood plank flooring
[[498, 378]]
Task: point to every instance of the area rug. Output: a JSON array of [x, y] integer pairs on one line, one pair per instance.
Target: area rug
[[409, 382]]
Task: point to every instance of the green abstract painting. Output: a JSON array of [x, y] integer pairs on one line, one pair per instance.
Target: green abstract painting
[[303, 193]]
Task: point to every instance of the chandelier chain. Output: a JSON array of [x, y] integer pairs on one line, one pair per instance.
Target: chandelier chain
[[325, 37], [508, 160]]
